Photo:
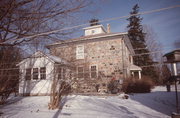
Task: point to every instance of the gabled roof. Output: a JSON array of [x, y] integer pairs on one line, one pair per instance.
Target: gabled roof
[[52, 58]]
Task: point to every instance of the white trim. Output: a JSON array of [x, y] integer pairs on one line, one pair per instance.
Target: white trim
[[40, 54], [139, 72], [33, 74], [95, 26], [60, 72], [174, 69], [34, 56], [77, 71], [133, 67], [96, 70], [42, 73], [80, 52], [39, 73], [26, 73]]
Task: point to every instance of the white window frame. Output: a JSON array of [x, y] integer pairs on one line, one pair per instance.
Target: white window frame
[[93, 31], [42, 73], [80, 52], [28, 74], [36, 74], [78, 71], [96, 70], [63, 73], [59, 73]]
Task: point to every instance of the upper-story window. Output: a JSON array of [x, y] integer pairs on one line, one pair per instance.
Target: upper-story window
[[92, 31], [80, 52]]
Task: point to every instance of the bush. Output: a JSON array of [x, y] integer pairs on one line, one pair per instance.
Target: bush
[[113, 86], [137, 86]]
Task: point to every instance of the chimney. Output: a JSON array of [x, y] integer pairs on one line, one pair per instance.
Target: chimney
[[108, 28]]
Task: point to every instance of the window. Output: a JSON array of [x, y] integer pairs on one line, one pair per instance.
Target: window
[[92, 31], [43, 73], [80, 72], [93, 71], [80, 52], [59, 73], [28, 74], [35, 73], [64, 73]]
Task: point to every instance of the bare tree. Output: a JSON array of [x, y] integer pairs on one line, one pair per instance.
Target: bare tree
[[9, 73], [155, 49], [20, 19], [152, 43], [23, 18], [177, 43], [61, 86]]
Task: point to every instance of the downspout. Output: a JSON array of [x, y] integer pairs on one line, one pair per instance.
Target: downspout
[[122, 42]]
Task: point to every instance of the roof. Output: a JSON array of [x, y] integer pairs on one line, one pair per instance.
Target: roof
[[172, 57], [172, 52], [52, 58], [87, 38], [95, 26], [97, 36], [56, 59], [135, 68]]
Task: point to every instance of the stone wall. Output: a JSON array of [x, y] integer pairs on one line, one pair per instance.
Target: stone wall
[[110, 56]]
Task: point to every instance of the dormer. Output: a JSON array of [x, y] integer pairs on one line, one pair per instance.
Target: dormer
[[96, 29]]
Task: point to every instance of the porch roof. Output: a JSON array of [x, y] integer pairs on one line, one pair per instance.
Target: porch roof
[[135, 68]]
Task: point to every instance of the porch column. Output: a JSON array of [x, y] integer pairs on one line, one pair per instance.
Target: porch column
[[174, 69], [139, 72], [132, 74]]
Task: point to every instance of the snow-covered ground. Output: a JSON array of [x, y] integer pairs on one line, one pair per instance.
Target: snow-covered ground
[[157, 104]]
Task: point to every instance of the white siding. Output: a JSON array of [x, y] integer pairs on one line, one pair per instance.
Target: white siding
[[94, 30], [37, 87]]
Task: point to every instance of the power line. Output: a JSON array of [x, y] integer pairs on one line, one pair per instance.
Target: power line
[[105, 20], [74, 73]]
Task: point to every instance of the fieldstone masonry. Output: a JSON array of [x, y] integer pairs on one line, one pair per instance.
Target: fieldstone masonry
[[97, 57], [110, 56]]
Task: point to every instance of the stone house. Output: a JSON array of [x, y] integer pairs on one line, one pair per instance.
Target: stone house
[[98, 56], [38, 71]]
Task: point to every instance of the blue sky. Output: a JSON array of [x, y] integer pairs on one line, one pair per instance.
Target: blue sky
[[166, 24]]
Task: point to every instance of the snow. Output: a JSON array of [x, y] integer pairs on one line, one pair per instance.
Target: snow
[[157, 104]]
